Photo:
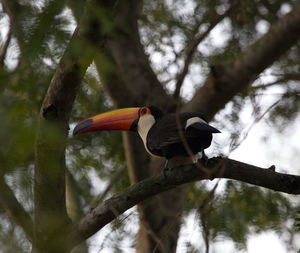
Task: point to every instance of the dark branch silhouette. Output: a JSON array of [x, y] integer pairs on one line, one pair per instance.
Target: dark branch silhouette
[[225, 81], [104, 213]]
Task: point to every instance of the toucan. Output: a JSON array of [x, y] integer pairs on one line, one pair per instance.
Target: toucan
[[164, 135]]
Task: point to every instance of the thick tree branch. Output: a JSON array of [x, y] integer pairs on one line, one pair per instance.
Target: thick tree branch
[[226, 81], [51, 221], [133, 63], [50, 153], [106, 66], [14, 209], [218, 167]]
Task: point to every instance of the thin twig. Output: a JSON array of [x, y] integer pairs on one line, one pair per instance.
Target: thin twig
[[114, 179], [186, 145], [284, 94], [256, 120], [192, 47], [158, 240], [169, 226], [283, 79], [208, 172], [14, 209], [204, 210]]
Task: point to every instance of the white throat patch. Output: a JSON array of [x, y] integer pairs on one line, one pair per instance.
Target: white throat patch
[[144, 125], [193, 120]]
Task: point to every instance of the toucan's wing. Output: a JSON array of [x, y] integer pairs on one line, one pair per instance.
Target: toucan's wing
[[167, 131]]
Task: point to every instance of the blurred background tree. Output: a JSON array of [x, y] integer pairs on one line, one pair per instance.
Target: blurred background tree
[[236, 61]]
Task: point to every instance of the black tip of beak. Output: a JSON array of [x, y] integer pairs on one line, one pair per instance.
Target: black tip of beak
[[204, 127], [212, 129], [81, 126]]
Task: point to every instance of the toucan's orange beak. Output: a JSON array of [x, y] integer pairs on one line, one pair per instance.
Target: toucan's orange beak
[[121, 119]]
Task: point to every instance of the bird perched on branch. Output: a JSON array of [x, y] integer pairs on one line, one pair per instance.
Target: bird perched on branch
[[166, 135]]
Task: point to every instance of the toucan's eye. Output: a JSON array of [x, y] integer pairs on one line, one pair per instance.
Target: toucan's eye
[[143, 111]]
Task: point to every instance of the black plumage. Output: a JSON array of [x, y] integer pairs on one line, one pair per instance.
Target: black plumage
[[164, 137]]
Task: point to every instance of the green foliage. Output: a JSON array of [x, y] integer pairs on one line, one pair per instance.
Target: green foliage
[[12, 238], [238, 204], [242, 204], [286, 111], [297, 221]]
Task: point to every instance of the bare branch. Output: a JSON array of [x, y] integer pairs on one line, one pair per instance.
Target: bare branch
[[234, 145], [226, 81], [283, 79], [110, 209], [14, 209], [3, 50], [192, 47], [204, 209], [159, 243], [115, 178]]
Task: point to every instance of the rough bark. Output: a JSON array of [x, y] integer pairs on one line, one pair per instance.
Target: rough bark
[[225, 81], [141, 79], [50, 212], [215, 168]]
